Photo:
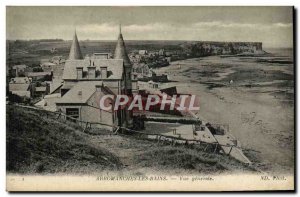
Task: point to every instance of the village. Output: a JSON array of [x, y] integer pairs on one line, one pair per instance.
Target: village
[[74, 85]]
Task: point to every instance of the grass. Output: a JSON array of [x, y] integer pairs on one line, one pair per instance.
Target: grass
[[169, 157], [36, 145]]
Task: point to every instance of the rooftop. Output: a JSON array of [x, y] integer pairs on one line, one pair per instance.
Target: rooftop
[[80, 93], [114, 67], [75, 52], [19, 66], [40, 89], [20, 80], [18, 87], [37, 74], [120, 51]]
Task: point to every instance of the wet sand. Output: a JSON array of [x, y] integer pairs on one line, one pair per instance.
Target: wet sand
[[258, 105]]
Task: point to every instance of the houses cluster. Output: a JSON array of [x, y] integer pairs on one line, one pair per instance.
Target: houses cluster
[[152, 59], [145, 61], [75, 85], [35, 82]]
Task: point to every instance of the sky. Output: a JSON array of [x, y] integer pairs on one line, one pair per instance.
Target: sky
[[271, 25]]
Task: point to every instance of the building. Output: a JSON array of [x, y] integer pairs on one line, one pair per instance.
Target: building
[[41, 91], [82, 102], [161, 52], [19, 70], [20, 86], [86, 80], [39, 76], [49, 102], [169, 91], [143, 52], [48, 66], [141, 71], [58, 60]]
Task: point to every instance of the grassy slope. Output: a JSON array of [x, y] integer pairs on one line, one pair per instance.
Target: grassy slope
[[36, 144]]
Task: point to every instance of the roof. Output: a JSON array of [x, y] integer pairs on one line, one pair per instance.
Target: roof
[[80, 93], [114, 67], [67, 86], [40, 89], [37, 74], [22, 80], [19, 66], [56, 95], [55, 85], [48, 64], [22, 93], [49, 102], [143, 51], [75, 52], [120, 51], [18, 87]]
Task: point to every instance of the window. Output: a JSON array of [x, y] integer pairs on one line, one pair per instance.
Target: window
[[72, 112]]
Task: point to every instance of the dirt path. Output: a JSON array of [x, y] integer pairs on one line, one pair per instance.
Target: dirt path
[[125, 148]]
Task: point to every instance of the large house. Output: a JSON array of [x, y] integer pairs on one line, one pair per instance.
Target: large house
[[86, 80]]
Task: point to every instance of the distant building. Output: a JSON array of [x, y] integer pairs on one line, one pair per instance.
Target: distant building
[[36, 76], [141, 70], [168, 53], [19, 70], [48, 66], [49, 102], [169, 91], [20, 86], [161, 52], [135, 58], [41, 91], [159, 78], [153, 85], [143, 52], [58, 60]]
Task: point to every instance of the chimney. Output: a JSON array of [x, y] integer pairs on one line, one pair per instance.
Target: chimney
[[91, 72], [103, 72], [79, 72]]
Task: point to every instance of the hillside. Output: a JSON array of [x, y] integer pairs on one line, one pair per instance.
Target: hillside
[[36, 144]]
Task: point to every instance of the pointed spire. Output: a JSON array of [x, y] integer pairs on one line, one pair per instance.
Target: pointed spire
[[75, 52], [120, 51]]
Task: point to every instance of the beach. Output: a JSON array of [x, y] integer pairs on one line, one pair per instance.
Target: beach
[[253, 95]]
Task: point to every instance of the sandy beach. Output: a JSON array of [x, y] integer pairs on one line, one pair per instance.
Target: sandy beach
[[255, 98]]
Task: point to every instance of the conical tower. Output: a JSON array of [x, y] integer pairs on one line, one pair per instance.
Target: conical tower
[[75, 52], [120, 53]]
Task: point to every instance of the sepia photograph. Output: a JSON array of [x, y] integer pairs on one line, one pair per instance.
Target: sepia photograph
[[150, 98]]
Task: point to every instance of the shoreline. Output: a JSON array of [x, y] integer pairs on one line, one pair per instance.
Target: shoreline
[[261, 122]]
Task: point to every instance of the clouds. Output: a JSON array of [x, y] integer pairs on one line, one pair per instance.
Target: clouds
[[138, 25]]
